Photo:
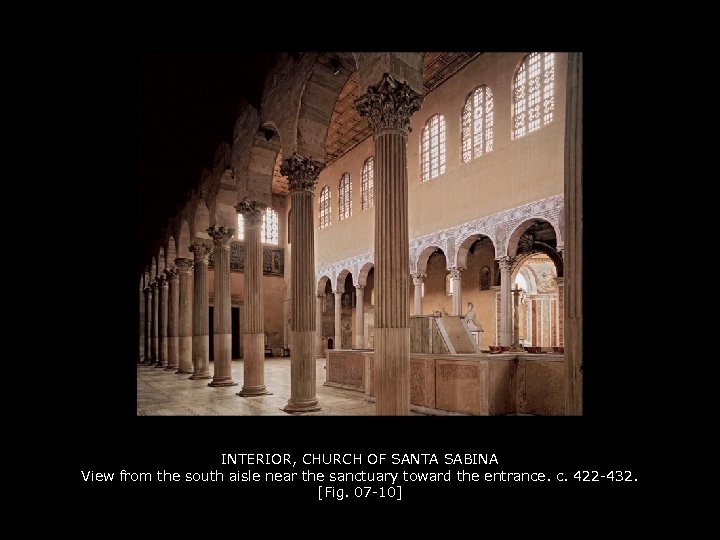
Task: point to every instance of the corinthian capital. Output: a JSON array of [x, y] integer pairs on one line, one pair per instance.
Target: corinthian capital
[[252, 212], [455, 272], [171, 273], [418, 278], [201, 252], [301, 172], [389, 104], [183, 265], [505, 263], [221, 236]]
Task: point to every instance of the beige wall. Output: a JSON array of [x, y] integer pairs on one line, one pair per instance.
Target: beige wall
[[514, 173]]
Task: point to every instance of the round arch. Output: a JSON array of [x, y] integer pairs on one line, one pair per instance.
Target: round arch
[[322, 282], [363, 274], [464, 248], [340, 281], [424, 257]]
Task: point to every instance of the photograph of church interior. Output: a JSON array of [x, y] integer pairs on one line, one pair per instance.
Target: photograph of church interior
[[387, 234]]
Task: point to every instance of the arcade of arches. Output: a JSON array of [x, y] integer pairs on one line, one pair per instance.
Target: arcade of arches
[[402, 230]]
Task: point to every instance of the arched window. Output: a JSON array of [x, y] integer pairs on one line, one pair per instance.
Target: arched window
[[368, 178], [485, 278], [325, 207], [345, 202], [533, 93], [432, 148], [269, 229], [240, 235], [477, 124]]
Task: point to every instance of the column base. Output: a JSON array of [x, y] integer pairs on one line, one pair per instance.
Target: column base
[[200, 376], [302, 406], [225, 381], [172, 367], [250, 391], [180, 371], [159, 365]]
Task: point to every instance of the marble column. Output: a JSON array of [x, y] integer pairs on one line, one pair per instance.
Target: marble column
[[302, 174], [185, 321], [456, 288], [153, 323], [222, 339], [201, 325], [388, 106], [418, 280], [505, 264], [338, 319], [142, 316], [162, 321], [561, 312], [318, 334], [173, 280], [148, 323], [253, 320], [359, 316], [573, 236]]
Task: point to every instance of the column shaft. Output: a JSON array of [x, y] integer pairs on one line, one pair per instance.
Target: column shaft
[[418, 280], [142, 316], [253, 310], [185, 318], [359, 317], [173, 301], [222, 340], [456, 288], [162, 323], [318, 333], [338, 320], [154, 323], [148, 323], [505, 264], [201, 326]]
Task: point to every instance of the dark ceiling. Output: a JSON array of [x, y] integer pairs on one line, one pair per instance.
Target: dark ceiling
[[187, 106]]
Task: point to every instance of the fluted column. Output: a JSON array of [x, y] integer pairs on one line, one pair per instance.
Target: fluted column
[[162, 321], [318, 334], [359, 317], [201, 326], [505, 264], [302, 174], [141, 319], [338, 319], [222, 340], [253, 321], [418, 280], [148, 323], [185, 321], [456, 288], [388, 106], [172, 326], [153, 323]]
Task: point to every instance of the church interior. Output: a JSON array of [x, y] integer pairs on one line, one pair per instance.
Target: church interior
[[376, 234]]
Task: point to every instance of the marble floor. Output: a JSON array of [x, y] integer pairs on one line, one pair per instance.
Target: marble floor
[[162, 393]]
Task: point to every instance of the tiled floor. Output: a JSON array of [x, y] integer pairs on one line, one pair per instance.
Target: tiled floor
[[162, 393]]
